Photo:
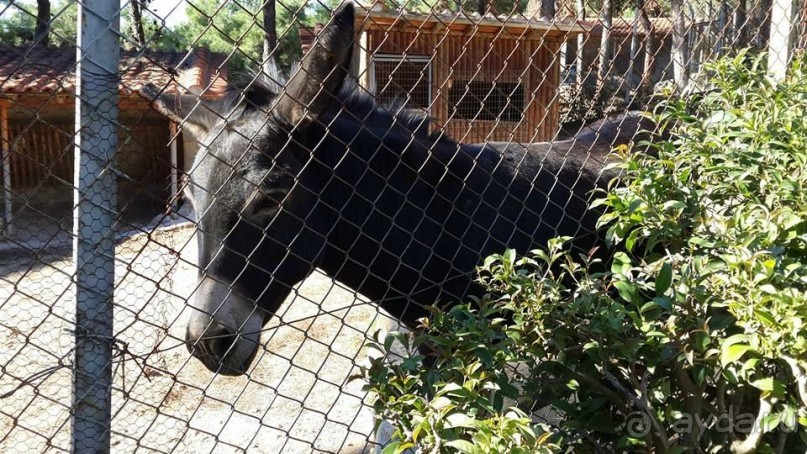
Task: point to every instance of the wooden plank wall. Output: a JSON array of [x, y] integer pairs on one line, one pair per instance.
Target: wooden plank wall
[[42, 153], [474, 55]]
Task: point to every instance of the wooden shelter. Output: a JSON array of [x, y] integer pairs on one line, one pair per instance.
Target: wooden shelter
[[622, 63], [37, 125], [479, 78]]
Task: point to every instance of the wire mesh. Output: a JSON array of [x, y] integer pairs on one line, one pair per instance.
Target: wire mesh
[[489, 72]]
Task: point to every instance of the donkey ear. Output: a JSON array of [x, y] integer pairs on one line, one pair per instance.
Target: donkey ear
[[193, 113], [323, 69]]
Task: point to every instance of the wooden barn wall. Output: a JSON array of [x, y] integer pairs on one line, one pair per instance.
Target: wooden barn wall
[[144, 156], [42, 157], [459, 57], [41, 153]]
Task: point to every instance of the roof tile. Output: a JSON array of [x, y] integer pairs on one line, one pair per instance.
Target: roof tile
[[623, 26], [38, 69]]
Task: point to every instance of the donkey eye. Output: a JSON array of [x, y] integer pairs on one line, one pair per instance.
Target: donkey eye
[[276, 194], [268, 200]]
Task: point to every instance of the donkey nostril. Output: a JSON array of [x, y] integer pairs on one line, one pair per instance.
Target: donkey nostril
[[219, 340], [222, 345]]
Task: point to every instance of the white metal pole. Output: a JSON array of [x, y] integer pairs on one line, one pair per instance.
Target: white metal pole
[[680, 46], [94, 216], [779, 42]]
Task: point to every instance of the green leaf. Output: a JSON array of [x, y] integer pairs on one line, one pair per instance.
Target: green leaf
[[396, 447], [459, 420], [424, 425], [509, 256], [650, 310], [621, 264], [484, 355], [703, 242], [440, 402], [733, 352], [630, 241], [771, 421], [664, 301], [750, 364], [461, 445], [770, 385], [590, 345], [674, 205], [664, 279], [627, 290]]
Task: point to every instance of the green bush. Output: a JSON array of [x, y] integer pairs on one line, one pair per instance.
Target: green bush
[[693, 340]]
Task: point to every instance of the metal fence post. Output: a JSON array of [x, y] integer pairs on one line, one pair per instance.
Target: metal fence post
[[779, 48], [95, 212]]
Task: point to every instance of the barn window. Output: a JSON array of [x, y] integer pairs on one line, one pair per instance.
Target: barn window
[[482, 100], [405, 79]]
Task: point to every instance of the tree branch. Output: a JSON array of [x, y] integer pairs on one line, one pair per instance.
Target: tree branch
[[721, 403], [693, 402], [751, 443], [609, 394], [645, 406], [137, 23]]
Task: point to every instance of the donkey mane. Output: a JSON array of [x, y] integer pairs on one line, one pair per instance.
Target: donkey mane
[[259, 90]]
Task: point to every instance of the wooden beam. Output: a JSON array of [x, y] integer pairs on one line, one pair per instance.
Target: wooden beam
[[364, 71], [5, 156], [459, 24], [174, 166]]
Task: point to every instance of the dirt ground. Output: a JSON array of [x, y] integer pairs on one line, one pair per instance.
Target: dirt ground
[[297, 397]]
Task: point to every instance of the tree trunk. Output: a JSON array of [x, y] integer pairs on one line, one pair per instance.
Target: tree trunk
[[722, 27], [606, 45], [635, 44], [484, 7], [680, 46], [740, 23], [548, 9], [649, 45], [42, 32], [269, 37], [137, 24], [763, 24]]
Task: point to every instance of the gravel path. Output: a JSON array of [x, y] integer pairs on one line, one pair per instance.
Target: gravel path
[[298, 396]]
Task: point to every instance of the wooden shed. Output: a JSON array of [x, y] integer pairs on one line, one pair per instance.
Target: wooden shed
[[480, 78], [622, 65], [37, 127]]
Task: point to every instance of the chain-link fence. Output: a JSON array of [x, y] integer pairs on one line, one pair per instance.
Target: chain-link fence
[[412, 140]]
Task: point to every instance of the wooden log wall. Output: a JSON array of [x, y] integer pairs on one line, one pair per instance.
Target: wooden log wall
[[42, 153], [529, 60]]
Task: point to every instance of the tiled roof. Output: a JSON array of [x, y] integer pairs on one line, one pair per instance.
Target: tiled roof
[[622, 26], [39, 69], [380, 15]]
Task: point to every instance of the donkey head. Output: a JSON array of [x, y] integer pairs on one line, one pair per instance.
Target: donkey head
[[258, 234]]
